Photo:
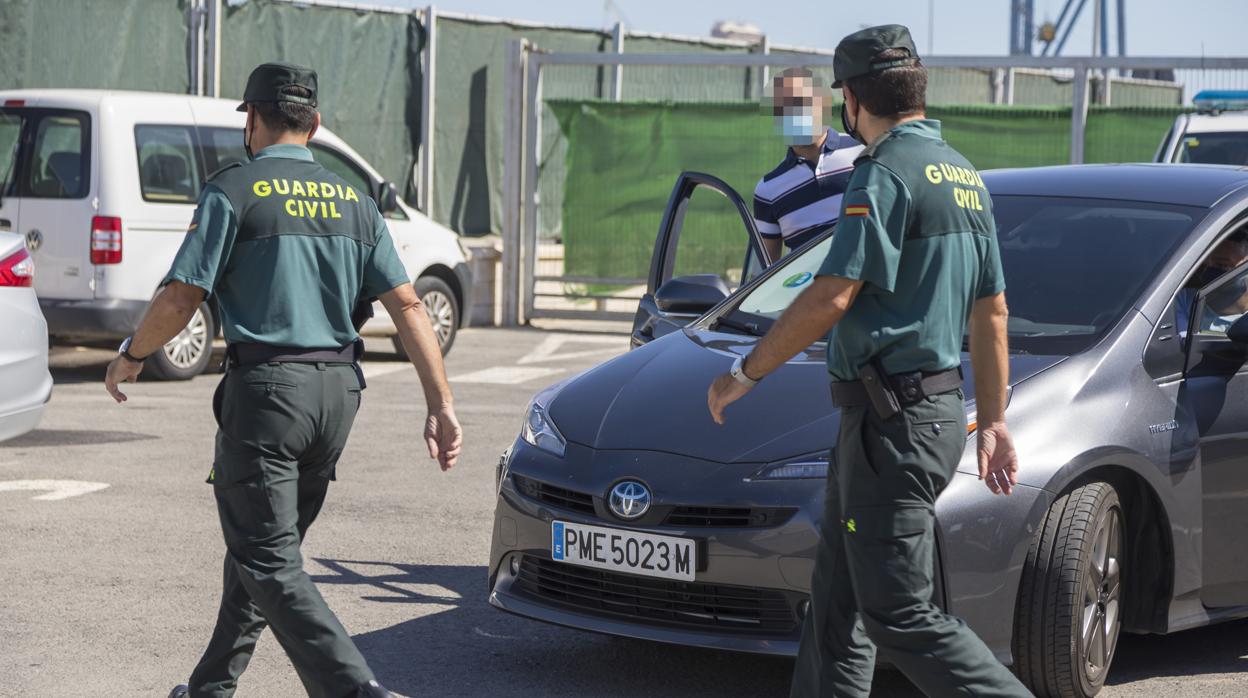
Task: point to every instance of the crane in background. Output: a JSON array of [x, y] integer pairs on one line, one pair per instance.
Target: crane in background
[[1052, 36]]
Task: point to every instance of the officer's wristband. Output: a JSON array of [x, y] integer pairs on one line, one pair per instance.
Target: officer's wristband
[[125, 351]]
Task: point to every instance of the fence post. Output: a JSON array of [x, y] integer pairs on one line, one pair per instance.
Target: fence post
[[195, 83], [513, 175], [764, 71], [212, 50], [617, 74], [1079, 113], [532, 199], [427, 106], [998, 86]]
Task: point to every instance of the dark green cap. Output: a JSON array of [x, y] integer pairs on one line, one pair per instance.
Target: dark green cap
[[267, 80], [855, 55]]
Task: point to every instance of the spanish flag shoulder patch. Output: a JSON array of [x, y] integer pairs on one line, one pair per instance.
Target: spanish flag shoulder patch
[[858, 210]]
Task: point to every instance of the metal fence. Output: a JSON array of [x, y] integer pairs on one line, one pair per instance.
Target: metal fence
[[1074, 97]]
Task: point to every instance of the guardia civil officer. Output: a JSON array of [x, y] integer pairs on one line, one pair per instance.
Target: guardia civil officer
[[914, 259], [289, 249]]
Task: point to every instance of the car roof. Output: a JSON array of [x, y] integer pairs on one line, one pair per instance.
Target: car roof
[[1178, 184], [1230, 121]]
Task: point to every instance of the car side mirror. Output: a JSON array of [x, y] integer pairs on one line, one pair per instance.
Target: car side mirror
[[387, 197], [694, 294], [1238, 331]]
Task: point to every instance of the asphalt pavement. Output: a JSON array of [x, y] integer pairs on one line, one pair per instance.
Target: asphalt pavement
[[110, 572]]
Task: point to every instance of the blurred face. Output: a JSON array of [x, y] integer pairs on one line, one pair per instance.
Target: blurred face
[[798, 108], [1228, 255]]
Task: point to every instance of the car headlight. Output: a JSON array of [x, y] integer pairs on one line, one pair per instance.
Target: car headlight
[[538, 429], [809, 467]]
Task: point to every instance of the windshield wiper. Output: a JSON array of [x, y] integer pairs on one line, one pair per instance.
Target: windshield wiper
[[750, 328]]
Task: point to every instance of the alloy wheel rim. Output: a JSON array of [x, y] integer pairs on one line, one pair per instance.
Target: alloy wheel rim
[[187, 348], [441, 314], [1102, 594]]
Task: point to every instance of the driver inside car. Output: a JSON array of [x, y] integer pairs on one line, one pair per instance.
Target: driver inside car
[[1226, 305]]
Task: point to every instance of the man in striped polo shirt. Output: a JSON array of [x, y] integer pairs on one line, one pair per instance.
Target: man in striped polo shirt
[[803, 194]]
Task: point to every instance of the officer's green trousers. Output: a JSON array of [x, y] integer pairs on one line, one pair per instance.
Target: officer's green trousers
[[282, 428], [872, 585]]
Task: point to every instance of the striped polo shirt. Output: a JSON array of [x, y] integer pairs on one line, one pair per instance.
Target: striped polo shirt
[[799, 198]]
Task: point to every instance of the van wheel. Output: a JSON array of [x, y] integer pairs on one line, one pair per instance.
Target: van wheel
[[442, 309], [1069, 602], [187, 354]]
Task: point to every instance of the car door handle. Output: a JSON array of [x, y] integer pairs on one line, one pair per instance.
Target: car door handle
[[6, 224]]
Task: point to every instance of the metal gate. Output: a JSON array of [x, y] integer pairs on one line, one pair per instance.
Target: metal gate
[[537, 283]]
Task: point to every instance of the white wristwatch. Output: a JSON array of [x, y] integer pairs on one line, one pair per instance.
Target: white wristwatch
[[738, 372]]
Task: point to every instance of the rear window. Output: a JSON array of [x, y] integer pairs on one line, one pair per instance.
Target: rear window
[[59, 163], [168, 171], [1229, 148]]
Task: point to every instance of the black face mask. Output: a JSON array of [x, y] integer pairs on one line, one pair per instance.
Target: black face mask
[[247, 140], [849, 130], [1205, 276]]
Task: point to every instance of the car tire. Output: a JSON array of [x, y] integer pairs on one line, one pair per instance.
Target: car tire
[[1069, 604], [442, 309], [188, 354]]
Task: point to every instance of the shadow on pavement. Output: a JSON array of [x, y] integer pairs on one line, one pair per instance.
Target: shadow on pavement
[[74, 437], [464, 647], [1218, 649]]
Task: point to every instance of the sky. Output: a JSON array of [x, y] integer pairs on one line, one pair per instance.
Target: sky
[[962, 27]]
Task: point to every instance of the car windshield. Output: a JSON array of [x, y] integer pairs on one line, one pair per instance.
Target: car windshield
[[1072, 267], [1215, 148]]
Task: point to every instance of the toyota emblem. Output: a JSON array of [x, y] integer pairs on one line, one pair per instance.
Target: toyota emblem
[[629, 500]]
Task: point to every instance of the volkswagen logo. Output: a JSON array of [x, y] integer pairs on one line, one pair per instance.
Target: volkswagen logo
[[629, 500], [34, 240]]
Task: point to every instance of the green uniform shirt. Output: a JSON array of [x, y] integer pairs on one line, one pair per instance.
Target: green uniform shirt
[[916, 226], [288, 248]]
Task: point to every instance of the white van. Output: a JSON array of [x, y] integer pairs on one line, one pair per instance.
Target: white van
[[102, 185]]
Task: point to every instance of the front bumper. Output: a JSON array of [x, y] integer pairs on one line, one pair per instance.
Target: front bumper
[[92, 319], [752, 583]]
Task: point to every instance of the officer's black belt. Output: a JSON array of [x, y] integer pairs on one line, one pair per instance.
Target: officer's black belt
[[245, 353], [909, 388]]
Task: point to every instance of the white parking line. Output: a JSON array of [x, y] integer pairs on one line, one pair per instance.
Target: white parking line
[[373, 370], [546, 351], [506, 375], [56, 489]]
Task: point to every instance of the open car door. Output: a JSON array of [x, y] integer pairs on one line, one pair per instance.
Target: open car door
[[700, 258]]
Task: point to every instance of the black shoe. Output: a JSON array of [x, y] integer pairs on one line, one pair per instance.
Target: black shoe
[[372, 689], [180, 691]]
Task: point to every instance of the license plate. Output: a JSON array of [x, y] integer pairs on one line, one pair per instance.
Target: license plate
[[623, 551]]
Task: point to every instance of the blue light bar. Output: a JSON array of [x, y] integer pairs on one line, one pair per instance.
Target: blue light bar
[[1221, 100]]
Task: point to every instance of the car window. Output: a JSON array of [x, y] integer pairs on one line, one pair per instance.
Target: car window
[[1223, 306], [11, 123], [344, 167], [712, 239], [168, 172], [1215, 148], [221, 147], [1073, 267], [59, 158], [772, 296]]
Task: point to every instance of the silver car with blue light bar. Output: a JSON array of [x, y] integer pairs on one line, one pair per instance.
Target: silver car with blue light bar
[[623, 509]]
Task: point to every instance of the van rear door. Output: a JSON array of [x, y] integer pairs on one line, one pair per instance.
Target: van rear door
[[11, 125], [53, 180]]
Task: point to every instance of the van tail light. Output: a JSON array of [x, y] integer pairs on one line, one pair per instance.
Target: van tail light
[[18, 269], [105, 240]]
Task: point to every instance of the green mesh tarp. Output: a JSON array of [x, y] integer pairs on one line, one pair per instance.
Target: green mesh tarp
[[622, 160], [470, 114], [367, 64], [119, 44]]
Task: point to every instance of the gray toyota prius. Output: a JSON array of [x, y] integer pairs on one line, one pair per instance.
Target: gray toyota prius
[[623, 509]]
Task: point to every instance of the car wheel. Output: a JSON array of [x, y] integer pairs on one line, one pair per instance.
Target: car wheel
[[186, 355], [442, 309], [1068, 615]]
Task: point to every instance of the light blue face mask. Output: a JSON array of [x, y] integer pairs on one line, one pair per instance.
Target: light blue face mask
[[799, 128]]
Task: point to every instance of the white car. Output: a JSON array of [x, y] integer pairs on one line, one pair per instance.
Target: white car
[[1216, 135], [102, 185], [23, 343]]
